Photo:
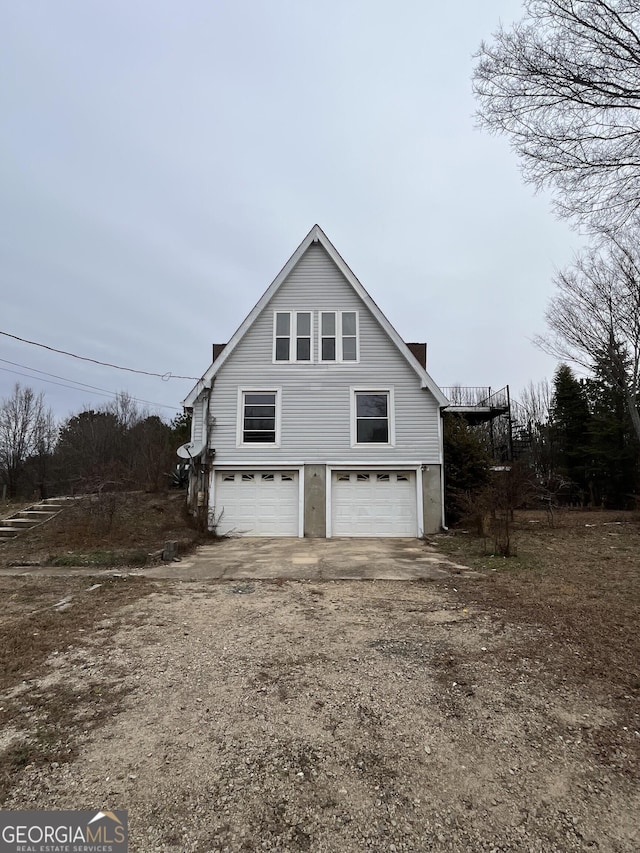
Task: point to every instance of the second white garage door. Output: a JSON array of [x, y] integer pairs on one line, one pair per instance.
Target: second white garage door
[[373, 503], [257, 503]]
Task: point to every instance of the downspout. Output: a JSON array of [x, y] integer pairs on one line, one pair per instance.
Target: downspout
[[441, 440], [202, 471]]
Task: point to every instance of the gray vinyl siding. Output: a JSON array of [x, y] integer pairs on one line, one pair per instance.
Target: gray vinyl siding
[[316, 397], [197, 420]]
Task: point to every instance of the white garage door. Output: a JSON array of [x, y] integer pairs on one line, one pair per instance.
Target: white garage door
[[257, 503], [373, 503]]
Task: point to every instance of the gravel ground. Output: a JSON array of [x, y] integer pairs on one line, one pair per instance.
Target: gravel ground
[[342, 716]]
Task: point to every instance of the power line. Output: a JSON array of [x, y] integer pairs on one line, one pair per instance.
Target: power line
[[55, 376], [163, 376], [100, 392]]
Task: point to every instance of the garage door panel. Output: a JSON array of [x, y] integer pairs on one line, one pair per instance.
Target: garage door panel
[[257, 503], [373, 503]]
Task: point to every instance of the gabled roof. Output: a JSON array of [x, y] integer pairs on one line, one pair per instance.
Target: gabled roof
[[316, 235]]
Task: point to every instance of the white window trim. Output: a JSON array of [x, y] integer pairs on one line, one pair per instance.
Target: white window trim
[[391, 413], [257, 389], [338, 315], [293, 338]]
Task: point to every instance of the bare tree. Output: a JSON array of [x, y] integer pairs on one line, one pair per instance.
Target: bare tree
[[564, 86], [126, 410], [535, 402], [44, 440], [594, 320], [26, 429]]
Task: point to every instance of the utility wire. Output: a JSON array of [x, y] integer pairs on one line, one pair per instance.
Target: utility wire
[[100, 392], [163, 376], [55, 376]]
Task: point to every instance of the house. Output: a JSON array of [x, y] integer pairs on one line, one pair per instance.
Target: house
[[316, 419]]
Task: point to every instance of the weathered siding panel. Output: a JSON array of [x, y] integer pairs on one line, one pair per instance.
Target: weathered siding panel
[[316, 397], [197, 420]]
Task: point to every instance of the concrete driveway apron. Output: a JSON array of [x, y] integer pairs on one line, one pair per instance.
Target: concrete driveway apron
[[311, 559]]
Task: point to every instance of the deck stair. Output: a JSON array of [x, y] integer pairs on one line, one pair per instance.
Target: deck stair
[[477, 404], [33, 516]]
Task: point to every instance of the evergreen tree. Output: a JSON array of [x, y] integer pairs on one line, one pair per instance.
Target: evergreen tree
[[466, 465], [615, 452], [181, 429], [570, 430]]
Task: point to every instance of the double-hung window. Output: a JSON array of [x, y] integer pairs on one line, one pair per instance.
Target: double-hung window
[[303, 335], [372, 417], [338, 336], [292, 336], [258, 417]]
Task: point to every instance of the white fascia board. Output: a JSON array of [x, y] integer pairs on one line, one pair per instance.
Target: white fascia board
[[317, 235], [200, 386], [255, 311], [425, 380]]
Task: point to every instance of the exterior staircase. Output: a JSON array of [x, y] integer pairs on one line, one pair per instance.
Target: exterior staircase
[[33, 516]]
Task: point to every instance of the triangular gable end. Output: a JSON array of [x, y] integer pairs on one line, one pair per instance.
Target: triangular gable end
[[315, 235]]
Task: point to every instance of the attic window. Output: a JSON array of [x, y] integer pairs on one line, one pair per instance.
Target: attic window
[[292, 336], [338, 336], [303, 336], [282, 345], [349, 326]]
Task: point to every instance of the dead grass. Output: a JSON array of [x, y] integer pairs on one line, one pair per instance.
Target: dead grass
[[54, 726], [9, 507], [31, 631], [102, 532], [112, 529], [580, 580]]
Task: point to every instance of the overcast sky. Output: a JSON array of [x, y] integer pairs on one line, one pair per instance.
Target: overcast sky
[[160, 162]]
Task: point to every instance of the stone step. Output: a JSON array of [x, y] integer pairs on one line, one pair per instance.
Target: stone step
[[21, 523], [9, 532], [32, 516], [38, 514]]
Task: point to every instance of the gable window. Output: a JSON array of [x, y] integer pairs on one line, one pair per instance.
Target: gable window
[[338, 336], [258, 416], [303, 336], [372, 417], [349, 333], [283, 336], [292, 336], [328, 336]]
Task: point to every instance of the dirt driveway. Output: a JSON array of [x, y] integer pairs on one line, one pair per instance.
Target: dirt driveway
[[322, 716]]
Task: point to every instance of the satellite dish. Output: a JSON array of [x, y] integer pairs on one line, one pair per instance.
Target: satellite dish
[[190, 450]]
